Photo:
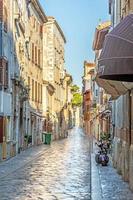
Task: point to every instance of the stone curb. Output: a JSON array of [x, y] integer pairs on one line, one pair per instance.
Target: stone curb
[[96, 189]]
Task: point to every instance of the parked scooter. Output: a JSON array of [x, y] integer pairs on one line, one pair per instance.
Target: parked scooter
[[101, 157]]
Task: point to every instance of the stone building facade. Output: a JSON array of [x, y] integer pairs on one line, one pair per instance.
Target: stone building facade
[[122, 109], [29, 19], [55, 41], [6, 61], [95, 104], [121, 92], [34, 85], [87, 95]]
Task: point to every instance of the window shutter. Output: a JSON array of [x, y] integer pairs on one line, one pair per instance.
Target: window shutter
[[36, 91], [1, 73], [41, 30], [35, 54], [1, 129], [39, 57], [41, 94], [32, 52], [5, 74], [33, 90], [1, 10]]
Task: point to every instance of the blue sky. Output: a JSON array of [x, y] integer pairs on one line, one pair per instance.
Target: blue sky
[[78, 19]]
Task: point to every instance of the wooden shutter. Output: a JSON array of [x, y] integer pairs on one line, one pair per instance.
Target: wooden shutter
[[41, 30], [1, 10], [35, 54], [1, 73], [36, 91], [39, 57], [29, 87], [5, 74], [1, 129], [32, 90], [41, 94], [32, 52]]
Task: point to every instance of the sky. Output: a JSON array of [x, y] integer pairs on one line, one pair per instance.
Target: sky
[[77, 19]]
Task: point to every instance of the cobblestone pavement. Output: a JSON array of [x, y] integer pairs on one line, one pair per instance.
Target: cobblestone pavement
[[62, 172], [107, 184]]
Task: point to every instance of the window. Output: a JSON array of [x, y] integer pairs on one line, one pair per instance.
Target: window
[[41, 30], [39, 57], [29, 83], [41, 94], [96, 93], [32, 90], [35, 54], [110, 3], [1, 128], [4, 73], [1, 75], [36, 91], [32, 52]]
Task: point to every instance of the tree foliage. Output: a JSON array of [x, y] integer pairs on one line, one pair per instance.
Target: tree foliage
[[75, 89], [77, 96]]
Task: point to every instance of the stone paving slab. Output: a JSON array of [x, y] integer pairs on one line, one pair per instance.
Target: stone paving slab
[[20, 160], [62, 172], [107, 184]]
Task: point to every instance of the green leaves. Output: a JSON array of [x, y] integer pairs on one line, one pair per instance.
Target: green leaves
[[77, 96], [75, 89]]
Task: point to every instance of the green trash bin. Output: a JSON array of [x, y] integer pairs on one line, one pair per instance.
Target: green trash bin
[[47, 138]]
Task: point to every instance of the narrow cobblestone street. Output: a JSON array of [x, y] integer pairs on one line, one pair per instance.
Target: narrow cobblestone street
[[61, 172]]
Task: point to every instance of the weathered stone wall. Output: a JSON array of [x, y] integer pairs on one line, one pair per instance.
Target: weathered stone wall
[[121, 139]]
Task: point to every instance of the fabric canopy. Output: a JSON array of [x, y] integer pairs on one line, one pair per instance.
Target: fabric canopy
[[116, 59], [114, 88]]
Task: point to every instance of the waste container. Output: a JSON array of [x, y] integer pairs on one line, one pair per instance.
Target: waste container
[[47, 138]]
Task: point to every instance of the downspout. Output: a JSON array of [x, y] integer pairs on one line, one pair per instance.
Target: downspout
[[130, 132], [130, 117], [1, 40], [1, 54]]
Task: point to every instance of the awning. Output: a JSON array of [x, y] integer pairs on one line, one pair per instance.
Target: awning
[[114, 88], [116, 59]]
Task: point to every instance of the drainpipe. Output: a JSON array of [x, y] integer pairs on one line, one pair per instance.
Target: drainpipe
[[1, 41], [1, 54], [130, 116]]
